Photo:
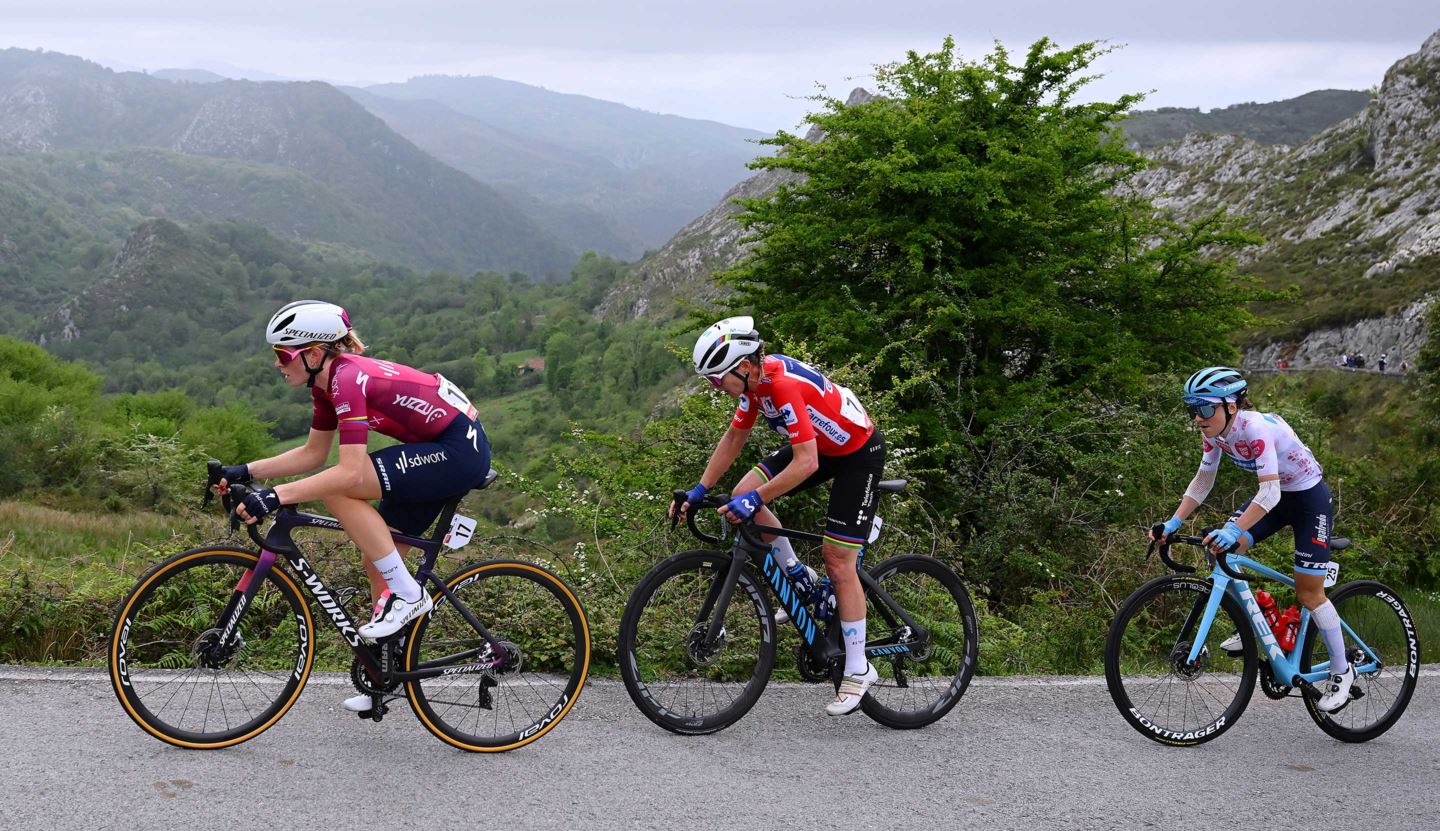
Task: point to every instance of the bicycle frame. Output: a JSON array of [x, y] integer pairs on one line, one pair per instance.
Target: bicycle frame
[[377, 661], [749, 547], [1282, 666]]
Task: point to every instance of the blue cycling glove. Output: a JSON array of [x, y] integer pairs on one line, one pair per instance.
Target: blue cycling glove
[[261, 502], [745, 505], [695, 494], [1227, 536], [1172, 525]]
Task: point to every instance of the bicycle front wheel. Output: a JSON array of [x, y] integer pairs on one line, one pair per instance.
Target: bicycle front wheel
[[185, 680], [1388, 651], [1147, 668], [676, 679], [543, 628], [919, 686]]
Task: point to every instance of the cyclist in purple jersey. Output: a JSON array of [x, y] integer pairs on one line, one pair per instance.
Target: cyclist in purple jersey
[[443, 452]]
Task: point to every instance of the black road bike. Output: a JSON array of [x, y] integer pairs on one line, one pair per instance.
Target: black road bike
[[695, 653], [214, 645]]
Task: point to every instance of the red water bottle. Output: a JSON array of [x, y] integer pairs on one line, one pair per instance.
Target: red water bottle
[[1269, 610], [1287, 628]]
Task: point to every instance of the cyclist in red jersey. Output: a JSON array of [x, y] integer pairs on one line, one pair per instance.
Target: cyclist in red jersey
[[831, 438], [443, 452]]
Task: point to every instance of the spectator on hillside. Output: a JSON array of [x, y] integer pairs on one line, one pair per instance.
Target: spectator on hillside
[[1383, 357], [1404, 367]]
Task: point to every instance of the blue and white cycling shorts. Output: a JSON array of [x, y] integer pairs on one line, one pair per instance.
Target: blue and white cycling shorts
[[1308, 512], [417, 479]]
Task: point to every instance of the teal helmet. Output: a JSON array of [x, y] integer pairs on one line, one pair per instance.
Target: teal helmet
[[1213, 384]]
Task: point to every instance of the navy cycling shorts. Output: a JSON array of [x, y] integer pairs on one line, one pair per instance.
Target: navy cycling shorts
[[853, 495], [1308, 512], [417, 479]]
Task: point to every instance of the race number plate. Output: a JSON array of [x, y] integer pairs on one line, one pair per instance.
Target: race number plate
[[462, 528]]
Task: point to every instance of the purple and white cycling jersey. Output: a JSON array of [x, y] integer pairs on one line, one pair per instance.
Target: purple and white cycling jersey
[[1265, 445], [403, 403]]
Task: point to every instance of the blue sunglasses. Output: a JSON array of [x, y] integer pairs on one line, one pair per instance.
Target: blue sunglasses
[[1200, 407]]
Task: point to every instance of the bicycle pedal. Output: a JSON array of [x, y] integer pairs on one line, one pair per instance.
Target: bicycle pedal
[[374, 714]]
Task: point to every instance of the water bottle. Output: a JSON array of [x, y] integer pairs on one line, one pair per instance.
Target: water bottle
[[1288, 627], [1269, 610], [824, 599], [799, 577]]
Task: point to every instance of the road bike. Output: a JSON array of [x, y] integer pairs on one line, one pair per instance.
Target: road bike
[[214, 645], [1172, 680], [695, 653]]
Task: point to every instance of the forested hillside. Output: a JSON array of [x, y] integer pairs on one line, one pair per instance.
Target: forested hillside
[[1014, 293], [301, 158]]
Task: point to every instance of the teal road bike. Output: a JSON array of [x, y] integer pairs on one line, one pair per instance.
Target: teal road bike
[[1174, 682]]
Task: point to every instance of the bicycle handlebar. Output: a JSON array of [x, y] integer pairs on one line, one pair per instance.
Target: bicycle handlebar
[[230, 500], [1158, 530], [713, 500]]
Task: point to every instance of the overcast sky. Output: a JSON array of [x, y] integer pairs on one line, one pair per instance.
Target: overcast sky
[[742, 62]]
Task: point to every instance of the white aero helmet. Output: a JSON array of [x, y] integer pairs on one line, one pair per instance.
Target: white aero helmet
[[305, 322], [724, 345]]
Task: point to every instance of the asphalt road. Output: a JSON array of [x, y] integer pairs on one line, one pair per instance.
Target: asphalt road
[[1017, 753]]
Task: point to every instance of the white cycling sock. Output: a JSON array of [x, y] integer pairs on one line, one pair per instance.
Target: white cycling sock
[[397, 577], [1328, 620], [855, 661], [784, 552]]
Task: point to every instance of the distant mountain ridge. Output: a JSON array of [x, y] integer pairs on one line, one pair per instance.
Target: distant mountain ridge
[[601, 170], [416, 210], [1292, 121]]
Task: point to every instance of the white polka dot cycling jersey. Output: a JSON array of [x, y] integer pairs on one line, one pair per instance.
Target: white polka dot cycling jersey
[[1265, 445]]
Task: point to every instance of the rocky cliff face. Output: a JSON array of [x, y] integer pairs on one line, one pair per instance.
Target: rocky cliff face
[[1352, 216]]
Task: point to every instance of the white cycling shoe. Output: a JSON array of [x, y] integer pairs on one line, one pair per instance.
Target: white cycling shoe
[[1337, 693], [357, 703], [392, 613], [1232, 645], [783, 615], [852, 689]]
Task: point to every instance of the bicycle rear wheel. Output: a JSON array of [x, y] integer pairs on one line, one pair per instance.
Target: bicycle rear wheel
[[1147, 664], [672, 676], [1383, 624], [177, 679], [919, 687], [543, 627]]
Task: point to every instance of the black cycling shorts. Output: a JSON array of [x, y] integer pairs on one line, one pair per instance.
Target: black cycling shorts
[[852, 497], [1308, 512], [417, 479]]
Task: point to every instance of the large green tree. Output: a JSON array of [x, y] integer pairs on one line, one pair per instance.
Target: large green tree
[[970, 236]]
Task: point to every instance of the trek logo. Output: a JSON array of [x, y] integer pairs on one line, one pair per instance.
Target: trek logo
[[1262, 628], [794, 603], [404, 463], [421, 406]]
